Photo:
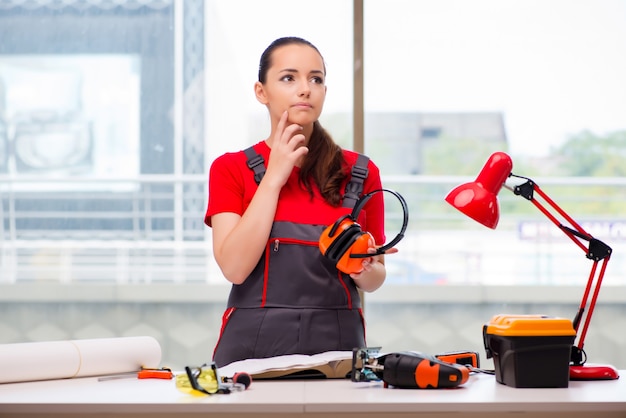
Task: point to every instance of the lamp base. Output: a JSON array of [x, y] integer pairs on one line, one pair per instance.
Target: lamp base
[[593, 372]]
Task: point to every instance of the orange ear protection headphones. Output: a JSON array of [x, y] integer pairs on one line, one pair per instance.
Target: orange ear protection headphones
[[346, 244]]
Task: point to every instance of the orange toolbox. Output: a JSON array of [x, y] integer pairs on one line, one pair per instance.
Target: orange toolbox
[[530, 351]]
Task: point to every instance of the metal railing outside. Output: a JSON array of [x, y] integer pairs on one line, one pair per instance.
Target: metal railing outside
[[150, 229]]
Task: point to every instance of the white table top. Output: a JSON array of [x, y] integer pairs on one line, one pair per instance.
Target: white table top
[[481, 394]]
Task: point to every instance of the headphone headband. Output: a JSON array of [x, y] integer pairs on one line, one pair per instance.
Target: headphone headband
[[405, 220]]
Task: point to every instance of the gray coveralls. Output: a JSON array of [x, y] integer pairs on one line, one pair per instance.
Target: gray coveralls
[[295, 301]]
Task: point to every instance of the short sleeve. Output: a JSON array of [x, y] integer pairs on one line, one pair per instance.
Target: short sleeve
[[226, 187]]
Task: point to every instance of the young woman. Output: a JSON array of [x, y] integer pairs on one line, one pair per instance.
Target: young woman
[[287, 297]]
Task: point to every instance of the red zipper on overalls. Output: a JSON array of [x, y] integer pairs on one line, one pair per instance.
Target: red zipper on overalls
[[274, 245], [225, 318]]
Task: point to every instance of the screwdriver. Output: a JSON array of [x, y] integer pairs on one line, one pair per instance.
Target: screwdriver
[[162, 373]]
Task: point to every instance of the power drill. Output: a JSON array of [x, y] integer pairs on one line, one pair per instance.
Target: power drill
[[411, 370]]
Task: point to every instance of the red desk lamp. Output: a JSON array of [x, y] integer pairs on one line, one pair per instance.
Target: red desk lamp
[[478, 200]]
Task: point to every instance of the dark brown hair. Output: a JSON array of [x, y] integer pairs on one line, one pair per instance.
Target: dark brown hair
[[324, 165]]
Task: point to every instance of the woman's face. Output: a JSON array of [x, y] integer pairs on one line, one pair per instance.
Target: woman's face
[[295, 82]]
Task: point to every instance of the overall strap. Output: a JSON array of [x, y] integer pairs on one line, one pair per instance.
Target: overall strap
[[354, 188], [256, 163]]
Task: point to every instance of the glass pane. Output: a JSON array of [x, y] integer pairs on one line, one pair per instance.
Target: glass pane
[[449, 82], [86, 113]]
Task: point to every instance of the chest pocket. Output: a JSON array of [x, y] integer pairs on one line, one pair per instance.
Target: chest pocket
[[297, 275]]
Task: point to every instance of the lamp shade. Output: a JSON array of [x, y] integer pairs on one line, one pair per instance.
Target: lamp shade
[[479, 198]]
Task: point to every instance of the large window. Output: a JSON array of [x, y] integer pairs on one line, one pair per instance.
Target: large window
[[106, 137]]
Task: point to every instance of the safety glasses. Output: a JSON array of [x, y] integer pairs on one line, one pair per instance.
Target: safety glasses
[[201, 380]]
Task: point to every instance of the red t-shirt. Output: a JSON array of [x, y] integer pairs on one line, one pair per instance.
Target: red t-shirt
[[232, 186]]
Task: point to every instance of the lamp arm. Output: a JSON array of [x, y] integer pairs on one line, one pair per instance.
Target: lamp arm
[[596, 251]]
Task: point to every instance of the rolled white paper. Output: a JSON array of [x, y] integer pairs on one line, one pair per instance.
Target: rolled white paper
[[25, 362]]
